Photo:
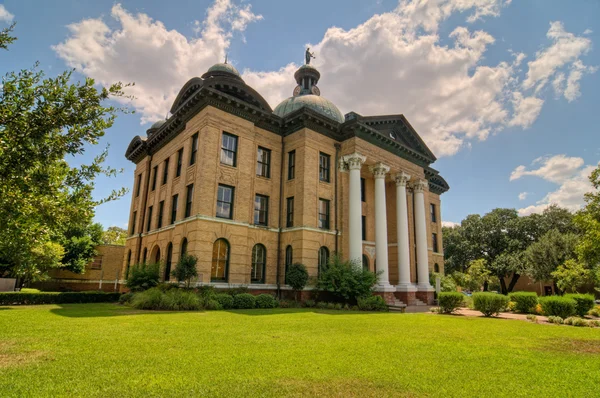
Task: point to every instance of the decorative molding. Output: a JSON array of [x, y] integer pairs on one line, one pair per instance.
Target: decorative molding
[[401, 178], [354, 161], [420, 185], [379, 170]]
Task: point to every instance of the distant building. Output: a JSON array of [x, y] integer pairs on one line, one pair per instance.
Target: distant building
[[250, 190]]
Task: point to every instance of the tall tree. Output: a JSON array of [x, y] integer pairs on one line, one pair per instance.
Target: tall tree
[[114, 236]]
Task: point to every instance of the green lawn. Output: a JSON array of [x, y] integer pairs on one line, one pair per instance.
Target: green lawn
[[106, 350]]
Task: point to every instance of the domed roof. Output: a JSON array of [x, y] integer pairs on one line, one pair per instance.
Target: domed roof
[[157, 124], [224, 67], [314, 102]]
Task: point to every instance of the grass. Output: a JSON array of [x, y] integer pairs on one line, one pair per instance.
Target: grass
[[99, 350]]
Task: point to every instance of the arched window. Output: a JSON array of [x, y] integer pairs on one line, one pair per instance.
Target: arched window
[[128, 264], [168, 262], [436, 268], [323, 258], [145, 255], [259, 261], [289, 257], [220, 261], [184, 244], [365, 262], [157, 256]]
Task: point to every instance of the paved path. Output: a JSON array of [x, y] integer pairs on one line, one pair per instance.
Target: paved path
[[503, 315]]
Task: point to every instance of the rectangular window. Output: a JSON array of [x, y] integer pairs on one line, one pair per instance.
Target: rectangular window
[[364, 228], [324, 164], [263, 163], [161, 208], [96, 263], [291, 165], [194, 149], [133, 219], [179, 162], [363, 195], [149, 219], [434, 241], [229, 149], [138, 185], [323, 214], [188, 200], [433, 213], [154, 173], [225, 201], [261, 210], [165, 171], [289, 218], [174, 204]]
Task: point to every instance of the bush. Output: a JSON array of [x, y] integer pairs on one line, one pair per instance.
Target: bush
[[373, 303], [321, 305], [338, 306], [563, 307], [172, 300], [143, 277], [525, 302], [346, 280], [18, 298], [583, 303], [212, 305], [450, 301], [234, 291], [165, 287], [331, 306], [532, 318], [555, 319], [287, 304], [594, 312], [244, 301], [576, 321], [224, 299], [489, 304], [126, 298], [265, 301], [206, 292], [296, 276], [185, 269], [309, 303], [595, 324]]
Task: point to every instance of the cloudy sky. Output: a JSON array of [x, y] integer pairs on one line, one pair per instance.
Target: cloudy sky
[[504, 93]]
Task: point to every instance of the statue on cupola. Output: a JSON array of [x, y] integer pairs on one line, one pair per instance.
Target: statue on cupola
[[308, 55]]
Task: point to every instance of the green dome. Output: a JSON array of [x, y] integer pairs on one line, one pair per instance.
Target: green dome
[[314, 102], [227, 68], [157, 125]]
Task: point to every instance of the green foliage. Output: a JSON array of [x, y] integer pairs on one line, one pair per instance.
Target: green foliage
[[450, 301], [212, 305], [114, 236], [244, 301], [6, 38], [143, 276], [489, 304], [171, 300], [265, 301], [309, 303], [206, 292], [475, 278], [346, 280], [126, 298], [583, 303], [525, 302], [372, 303], [80, 243], [297, 277], [287, 304], [555, 319], [532, 318], [322, 305], [563, 307], [447, 283], [572, 275], [595, 311], [224, 299], [18, 298], [233, 291], [548, 253], [575, 321], [185, 270]]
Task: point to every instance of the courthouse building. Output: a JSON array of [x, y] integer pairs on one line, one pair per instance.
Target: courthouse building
[[250, 190]]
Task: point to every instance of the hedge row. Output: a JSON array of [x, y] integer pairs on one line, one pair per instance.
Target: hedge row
[[18, 298]]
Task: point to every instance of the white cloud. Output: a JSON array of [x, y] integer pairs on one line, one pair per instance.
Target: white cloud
[[450, 224], [523, 195], [526, 110], [5, 16], [570, 173]]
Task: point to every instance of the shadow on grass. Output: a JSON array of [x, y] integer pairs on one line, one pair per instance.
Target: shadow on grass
[[104, 311], [5, 308], [283, 311]]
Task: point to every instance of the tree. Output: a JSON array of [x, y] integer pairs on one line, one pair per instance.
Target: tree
[[345, 280], [573, 275], [114, 236], [185, 269], [80, 246], [44, 122], [588, 220], [6, 38], [297, 277]]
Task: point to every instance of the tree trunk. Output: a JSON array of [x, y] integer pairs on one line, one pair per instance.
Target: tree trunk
[[485, 286], [556, 289], [513, 282], [502, 285]]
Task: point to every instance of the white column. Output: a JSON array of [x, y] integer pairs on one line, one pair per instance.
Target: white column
[[381, 243], [404, 283], [421, 232], [354, 163]]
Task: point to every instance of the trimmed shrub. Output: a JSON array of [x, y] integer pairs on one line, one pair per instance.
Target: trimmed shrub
[[244, 301], [373, 303], [297, 277], [489, 304], [346, 280], [224, 299], [576, 321], [450, 301], [206, 292], [321, 305], [212, 305], [265, 301], [555, 319], [19, 298], [150, 299], [563, 307], [525, 302], [583, 303], [143, 277], [309, 303], [126, 298], [172, 300]]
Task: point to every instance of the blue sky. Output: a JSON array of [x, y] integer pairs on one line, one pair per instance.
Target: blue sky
[[504, 93]]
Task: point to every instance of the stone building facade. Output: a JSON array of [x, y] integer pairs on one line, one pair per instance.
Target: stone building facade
[[249, 190]]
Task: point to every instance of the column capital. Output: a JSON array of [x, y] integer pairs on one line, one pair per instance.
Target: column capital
[[420, 185], [401, 178], [379, 170], [353, 161]]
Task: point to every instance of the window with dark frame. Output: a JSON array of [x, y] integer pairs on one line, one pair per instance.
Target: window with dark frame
[[261, 210], [263, 163], [225, 197], [289, 257], [323, 213], [179, 162], [133, 219], [139, 185], [149, 219], [434, 241], [161, 208], [363, 192], [154, 173], [323, 259], [324, 165], [174, 204], [259, 262], [291, 165], [229, 149], [289, 217], [433, 212], [194, 150], [364, 227], [189, 196], [165, 171]]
